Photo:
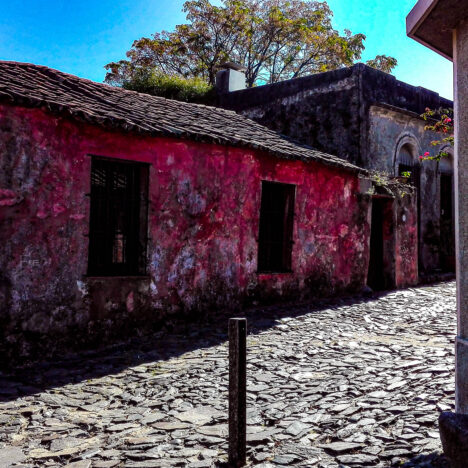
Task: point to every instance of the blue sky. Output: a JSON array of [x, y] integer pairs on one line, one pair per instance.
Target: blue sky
[[81, 36]]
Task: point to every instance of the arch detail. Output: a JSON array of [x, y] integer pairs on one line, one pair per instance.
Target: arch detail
[[406, 152], [446, 164]]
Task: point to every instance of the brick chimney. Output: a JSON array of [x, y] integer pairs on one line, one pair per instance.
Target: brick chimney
[[230, 78]]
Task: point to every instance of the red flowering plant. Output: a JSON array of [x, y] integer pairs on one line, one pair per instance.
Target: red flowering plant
[[441, 121]]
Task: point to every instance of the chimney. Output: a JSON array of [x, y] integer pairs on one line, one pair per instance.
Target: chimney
[[230, 78]]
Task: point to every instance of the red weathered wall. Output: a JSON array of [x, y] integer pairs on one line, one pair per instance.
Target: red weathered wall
[[406, 245], [203, 228]]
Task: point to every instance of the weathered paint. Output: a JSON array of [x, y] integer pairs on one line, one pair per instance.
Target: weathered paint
[[204, 203], [389, 130], [406, 241], [362, 115]]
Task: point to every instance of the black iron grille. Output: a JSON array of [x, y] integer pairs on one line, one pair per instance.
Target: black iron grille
[[118, 218]]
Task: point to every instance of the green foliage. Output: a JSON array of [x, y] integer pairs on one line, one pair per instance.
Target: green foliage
[[441, 121], [273, 39], [406, 174], [383, 63], [383, 183], [171, 86], [379, 178]]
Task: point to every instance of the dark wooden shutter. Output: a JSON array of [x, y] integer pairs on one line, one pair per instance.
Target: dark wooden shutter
[[276, 227]]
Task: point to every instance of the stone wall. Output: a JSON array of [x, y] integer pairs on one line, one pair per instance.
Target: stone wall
[[390, 131], [330, 111], [204, 203], [320, 110]]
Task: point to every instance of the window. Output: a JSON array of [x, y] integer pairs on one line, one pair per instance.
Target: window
[[407, 163], [118, 218], [413, 171], [446, 194], [276, 227]]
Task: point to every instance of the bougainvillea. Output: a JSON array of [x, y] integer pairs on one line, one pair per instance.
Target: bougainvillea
[[441, 121]]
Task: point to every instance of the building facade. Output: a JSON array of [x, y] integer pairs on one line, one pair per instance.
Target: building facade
[[119, 210], [373, 120]]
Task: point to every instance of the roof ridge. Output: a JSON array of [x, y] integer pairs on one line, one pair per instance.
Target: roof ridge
[[112, 107], [111, 87]]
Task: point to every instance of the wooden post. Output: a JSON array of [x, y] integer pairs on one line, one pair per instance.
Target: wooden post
[[237, 392]]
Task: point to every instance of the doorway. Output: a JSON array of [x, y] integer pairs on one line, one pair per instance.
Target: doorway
[[447, 225], [381, 259]]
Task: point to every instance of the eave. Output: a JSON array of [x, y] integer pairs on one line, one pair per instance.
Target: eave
[[431, 23]]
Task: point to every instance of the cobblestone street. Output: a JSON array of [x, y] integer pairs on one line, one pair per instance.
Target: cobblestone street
[[349, 382]]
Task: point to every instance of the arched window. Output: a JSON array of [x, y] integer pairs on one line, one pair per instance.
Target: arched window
[[405, 160], [406, 153], [446, 164]]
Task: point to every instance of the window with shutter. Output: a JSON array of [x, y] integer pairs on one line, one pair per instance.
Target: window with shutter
[[118, 218]]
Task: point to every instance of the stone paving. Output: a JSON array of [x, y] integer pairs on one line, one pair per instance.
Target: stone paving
[[345, 382]]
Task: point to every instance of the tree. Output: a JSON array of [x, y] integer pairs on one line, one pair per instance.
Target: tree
[[383, 63], [273, 39]]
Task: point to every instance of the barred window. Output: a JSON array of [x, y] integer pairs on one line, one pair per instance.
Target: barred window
[[276, 227], [118, 218]]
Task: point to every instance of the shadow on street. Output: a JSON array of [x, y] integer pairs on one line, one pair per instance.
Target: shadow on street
[[176, 338]]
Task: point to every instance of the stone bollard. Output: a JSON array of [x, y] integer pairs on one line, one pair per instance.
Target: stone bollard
[[237, 392], [453, 429]]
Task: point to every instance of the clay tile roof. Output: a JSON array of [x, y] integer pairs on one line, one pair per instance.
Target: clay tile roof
[[31, 85]]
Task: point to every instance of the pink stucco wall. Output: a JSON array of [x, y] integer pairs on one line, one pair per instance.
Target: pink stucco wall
[[204, 203], [406, 242]]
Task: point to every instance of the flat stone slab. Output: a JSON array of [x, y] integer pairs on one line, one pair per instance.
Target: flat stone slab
[[11, 455], [337, 448], [171, 426], [219, 430], [199, 416], [358, 460]]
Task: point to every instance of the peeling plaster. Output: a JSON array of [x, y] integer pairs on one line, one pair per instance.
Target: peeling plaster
[[204, 203]]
